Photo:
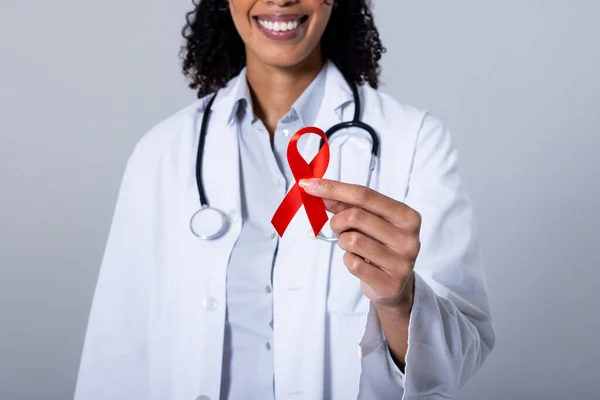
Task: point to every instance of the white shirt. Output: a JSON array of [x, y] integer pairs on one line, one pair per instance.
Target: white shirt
[[248, 371]]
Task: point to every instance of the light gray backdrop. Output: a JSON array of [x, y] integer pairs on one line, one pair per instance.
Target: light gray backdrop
[[516, 81]]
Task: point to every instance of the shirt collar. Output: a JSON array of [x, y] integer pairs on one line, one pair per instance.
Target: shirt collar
[[305, 108], [242, 101], [336, 93]]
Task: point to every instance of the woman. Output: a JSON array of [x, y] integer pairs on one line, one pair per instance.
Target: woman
[[397, 307]]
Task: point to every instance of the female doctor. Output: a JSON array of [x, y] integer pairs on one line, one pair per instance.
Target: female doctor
[[396, 308]]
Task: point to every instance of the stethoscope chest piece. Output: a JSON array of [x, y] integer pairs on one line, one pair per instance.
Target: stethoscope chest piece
[[209, 223]]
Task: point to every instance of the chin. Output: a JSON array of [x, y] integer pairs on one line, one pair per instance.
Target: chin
[[283, 59]]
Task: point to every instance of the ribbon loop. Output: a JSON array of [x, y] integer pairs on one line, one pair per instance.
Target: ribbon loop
[[296, 197]]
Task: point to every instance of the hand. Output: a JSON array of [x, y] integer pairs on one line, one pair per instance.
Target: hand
[[380, 236]]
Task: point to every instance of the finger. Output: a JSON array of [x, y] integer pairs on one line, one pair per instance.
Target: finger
[[384, 284], [364, 197], [334, 206], [366, 272], [369, 249], [375, 227]]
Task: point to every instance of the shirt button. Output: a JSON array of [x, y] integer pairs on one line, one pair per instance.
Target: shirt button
[[202, 398], [233, 216], [273, 236], [310, 234], [210, 303], [278, 184], [399, 375], [268, 289], [286, 132]]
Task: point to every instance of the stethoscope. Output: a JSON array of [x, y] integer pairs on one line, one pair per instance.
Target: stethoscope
[[208, 217]]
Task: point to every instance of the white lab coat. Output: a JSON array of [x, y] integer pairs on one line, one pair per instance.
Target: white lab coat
[[156, 324]]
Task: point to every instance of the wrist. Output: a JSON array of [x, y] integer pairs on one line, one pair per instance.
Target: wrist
[[401, 306]]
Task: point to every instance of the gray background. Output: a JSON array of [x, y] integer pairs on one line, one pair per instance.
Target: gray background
[[516, 81]]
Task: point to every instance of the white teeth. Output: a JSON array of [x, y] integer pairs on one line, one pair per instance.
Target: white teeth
[[277, 26]]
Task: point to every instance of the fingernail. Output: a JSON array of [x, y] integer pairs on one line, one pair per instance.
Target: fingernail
[[308, 184]]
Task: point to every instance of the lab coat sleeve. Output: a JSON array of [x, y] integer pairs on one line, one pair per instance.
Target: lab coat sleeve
[[115, 352], [450, 330]]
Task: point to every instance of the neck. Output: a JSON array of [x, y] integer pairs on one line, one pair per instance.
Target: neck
[[275, 89]]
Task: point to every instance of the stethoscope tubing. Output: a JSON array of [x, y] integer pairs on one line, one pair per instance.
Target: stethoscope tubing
[[204, 206]]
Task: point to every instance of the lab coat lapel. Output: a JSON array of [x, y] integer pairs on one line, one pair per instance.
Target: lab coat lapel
[[202, 265]]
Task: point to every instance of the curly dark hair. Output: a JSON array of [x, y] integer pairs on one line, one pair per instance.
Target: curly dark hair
[[214, 52]]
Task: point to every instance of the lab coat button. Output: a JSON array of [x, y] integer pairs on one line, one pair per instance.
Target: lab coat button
[[234, 216], [210, 303]]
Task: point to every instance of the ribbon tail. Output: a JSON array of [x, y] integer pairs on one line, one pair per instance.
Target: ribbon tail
[[315, 211], [286, 210]]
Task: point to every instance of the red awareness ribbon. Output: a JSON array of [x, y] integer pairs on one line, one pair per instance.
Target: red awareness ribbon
[[296, 197]]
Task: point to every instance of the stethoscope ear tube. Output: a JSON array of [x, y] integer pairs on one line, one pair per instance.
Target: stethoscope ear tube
[[206, 215], [355, 123], [200, 155], [359, 125]]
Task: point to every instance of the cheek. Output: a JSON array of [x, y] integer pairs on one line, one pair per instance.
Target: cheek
[[240, 10], [321, 15]]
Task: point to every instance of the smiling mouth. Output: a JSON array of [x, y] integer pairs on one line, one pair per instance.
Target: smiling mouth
[[281, 23]]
